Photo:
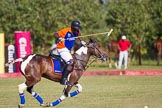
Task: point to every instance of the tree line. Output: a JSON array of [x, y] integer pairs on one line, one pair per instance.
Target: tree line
[[139, 20]]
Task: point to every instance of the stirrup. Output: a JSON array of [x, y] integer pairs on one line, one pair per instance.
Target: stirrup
[[63, 81], [68, 84]]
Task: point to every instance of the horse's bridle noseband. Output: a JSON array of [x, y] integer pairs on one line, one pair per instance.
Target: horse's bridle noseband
[[101, 57]]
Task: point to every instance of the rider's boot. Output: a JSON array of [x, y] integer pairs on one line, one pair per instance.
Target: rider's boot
[[64, 80], [68, 68]]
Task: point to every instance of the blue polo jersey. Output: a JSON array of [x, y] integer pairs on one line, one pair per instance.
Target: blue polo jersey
[[70, 42]]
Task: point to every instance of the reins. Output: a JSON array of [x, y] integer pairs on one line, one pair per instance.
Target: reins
[[85, 67], [98, 51]]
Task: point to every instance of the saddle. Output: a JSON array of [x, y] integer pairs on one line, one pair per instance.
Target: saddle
[[58, 63]]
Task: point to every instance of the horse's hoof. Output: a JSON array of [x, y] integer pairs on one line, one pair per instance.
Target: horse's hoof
[[43, 105], [20, 106], [48, 104]]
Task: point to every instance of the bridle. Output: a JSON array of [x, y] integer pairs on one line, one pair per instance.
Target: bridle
[[101, 57], [82, 62], [83, 65]]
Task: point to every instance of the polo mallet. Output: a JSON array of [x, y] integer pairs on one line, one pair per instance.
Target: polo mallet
[[108, 34]]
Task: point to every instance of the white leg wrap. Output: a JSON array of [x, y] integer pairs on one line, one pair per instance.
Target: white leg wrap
[[116, 64], [79, 87], [62, 97], [22, 87], [110, 66], [33, 93]]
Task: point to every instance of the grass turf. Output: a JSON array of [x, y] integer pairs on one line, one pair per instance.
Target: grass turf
[[98, 92]]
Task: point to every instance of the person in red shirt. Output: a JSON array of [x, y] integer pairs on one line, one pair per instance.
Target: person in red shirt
[[124, 46]]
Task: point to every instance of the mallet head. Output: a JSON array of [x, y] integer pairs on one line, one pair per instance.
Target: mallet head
[[108, 34]]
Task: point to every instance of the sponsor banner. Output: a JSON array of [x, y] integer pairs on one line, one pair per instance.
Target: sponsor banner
[[2, 58], [22, 44], [10, 55]]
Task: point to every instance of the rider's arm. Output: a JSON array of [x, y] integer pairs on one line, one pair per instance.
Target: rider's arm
[[81, 40], [57, 37]]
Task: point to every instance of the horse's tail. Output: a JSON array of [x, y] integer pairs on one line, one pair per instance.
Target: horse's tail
[[14, 61]]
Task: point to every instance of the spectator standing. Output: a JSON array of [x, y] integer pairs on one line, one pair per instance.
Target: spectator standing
[[124, 46]]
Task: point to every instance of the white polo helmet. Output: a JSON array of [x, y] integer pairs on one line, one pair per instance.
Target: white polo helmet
[[123, 37]]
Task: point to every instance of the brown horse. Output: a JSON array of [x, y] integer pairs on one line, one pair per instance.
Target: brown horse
[[158, 47], [35, 66], [113, 48]]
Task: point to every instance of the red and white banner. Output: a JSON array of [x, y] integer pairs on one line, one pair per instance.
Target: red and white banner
[[22, 44], [10, 55]]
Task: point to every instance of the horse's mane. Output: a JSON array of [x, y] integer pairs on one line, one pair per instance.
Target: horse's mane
[[81, 50]]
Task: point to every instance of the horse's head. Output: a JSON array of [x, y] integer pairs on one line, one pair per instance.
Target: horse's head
[[95, 49]]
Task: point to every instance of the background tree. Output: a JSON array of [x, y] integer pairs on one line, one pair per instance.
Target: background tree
[[132, 18], [43, 17], [140, 20]]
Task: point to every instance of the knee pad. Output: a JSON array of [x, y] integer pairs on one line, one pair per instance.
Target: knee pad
[[70, 65]]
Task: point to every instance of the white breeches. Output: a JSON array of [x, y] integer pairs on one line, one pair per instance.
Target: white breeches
[[123, 55], [65, 54]]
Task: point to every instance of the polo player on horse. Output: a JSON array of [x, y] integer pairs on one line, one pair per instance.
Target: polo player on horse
[[65, 40]]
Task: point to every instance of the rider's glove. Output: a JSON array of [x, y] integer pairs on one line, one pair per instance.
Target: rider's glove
[[83, 43], [60, 39]]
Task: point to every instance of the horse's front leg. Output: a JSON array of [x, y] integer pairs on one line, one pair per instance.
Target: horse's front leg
[[74, 93], [63, 96], [66, 92]]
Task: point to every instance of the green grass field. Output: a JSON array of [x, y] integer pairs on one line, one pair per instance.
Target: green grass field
[[98, 92]]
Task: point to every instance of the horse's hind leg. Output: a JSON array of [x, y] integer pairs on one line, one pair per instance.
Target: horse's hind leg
[[116, 60], [158, 59], [110, 65], [35, 95], [28, 85], [21, 88]]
